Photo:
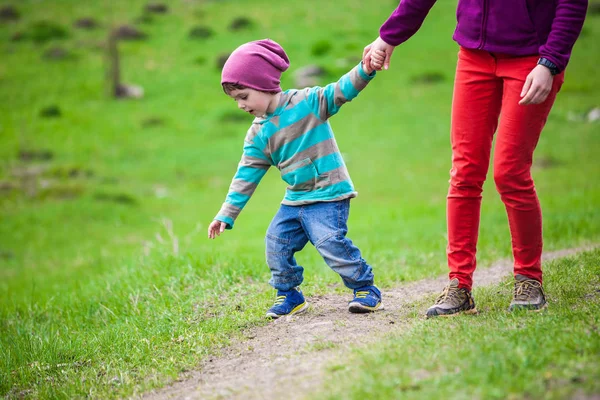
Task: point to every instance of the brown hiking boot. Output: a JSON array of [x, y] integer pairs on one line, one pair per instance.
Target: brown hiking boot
[[528, 295], [452, 300]]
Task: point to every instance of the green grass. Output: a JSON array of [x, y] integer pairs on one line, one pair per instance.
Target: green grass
[[495, 355], [95, 298]]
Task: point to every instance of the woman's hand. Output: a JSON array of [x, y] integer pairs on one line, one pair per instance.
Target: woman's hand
[[378, 45], [537, 86]]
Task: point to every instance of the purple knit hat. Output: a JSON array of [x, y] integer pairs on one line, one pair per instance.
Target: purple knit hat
[[257, 65]]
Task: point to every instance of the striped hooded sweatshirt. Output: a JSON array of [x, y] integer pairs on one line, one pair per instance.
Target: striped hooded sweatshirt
[[297, 139]]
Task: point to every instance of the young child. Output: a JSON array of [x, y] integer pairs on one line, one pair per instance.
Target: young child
[[291, 132]]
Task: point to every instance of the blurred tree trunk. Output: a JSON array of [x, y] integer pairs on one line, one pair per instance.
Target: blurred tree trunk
[[116, 87], [114, 69]]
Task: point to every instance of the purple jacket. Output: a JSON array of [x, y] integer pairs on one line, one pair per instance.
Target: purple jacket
[[548, 28]]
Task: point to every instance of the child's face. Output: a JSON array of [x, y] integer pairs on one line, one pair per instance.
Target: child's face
[[253, 101]]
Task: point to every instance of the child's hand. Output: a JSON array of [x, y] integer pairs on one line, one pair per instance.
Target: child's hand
[[377, 59], [216, 228], [374, 62]]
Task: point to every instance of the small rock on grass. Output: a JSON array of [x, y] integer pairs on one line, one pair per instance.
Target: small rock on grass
[[152, 121], [308, 75], [52, 111], [121, 198], [44, 31], [124, 91], [200, 32], [590, 116], [594, 114], [429, 78], [86, 23], [239, 24], [128, 32], [9, 14], [222, 59], [6, 255], [157, 8], [35, 155]]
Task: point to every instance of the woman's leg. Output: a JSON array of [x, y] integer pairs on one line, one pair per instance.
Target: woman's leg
[[518, 134], [475, 110]]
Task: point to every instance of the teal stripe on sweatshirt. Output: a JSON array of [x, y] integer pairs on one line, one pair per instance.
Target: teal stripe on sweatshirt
[[364, 75], [328, 162], [286, 118], [347, 88], [329, 94], [259, 143], [300, 175], [294, 114], [325, 193], [267, 130], [249, 174], [228, 220], [237, 199], [310, 138], [308, 172], [252, 151]]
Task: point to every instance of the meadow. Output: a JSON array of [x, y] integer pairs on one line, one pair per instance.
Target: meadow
[[108, 284]]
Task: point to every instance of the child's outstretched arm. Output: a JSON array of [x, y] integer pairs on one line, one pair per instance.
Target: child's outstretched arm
[[327, 101], [251, 169]]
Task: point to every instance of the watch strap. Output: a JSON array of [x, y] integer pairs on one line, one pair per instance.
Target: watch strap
[[548, 64]]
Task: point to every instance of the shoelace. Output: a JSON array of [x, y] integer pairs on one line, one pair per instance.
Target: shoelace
[[362, 294], [447, 293], [523, 289], [279, 300]]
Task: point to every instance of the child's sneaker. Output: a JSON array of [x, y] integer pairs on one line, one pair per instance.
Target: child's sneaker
[[366, 299], [288, 302]]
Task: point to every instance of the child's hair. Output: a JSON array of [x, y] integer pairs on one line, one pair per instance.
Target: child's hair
[[228, 87]]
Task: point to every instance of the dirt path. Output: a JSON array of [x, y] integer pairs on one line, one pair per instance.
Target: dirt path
[[269, 363]]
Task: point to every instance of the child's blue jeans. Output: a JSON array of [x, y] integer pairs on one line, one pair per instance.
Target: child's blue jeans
[[325, 226]]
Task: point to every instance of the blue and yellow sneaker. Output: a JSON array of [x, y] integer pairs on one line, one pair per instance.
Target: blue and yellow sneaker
[[288, 302], [366, 299]]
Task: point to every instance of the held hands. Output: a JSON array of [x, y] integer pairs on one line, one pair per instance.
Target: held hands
[[537, 86], [375, 63], [371, 54], [216, 228]]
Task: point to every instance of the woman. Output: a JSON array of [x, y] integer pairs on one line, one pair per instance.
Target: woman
[[511, 64]]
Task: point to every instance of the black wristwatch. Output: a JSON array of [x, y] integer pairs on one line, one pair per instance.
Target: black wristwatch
[[548, 64]]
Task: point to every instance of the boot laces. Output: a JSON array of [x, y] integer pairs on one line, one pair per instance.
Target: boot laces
[[449, 293], [524, 289]]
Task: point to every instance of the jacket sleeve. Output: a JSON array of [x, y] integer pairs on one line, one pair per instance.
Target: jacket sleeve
[[405, 21], [251, 169], [327, 101], [565, 30]]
